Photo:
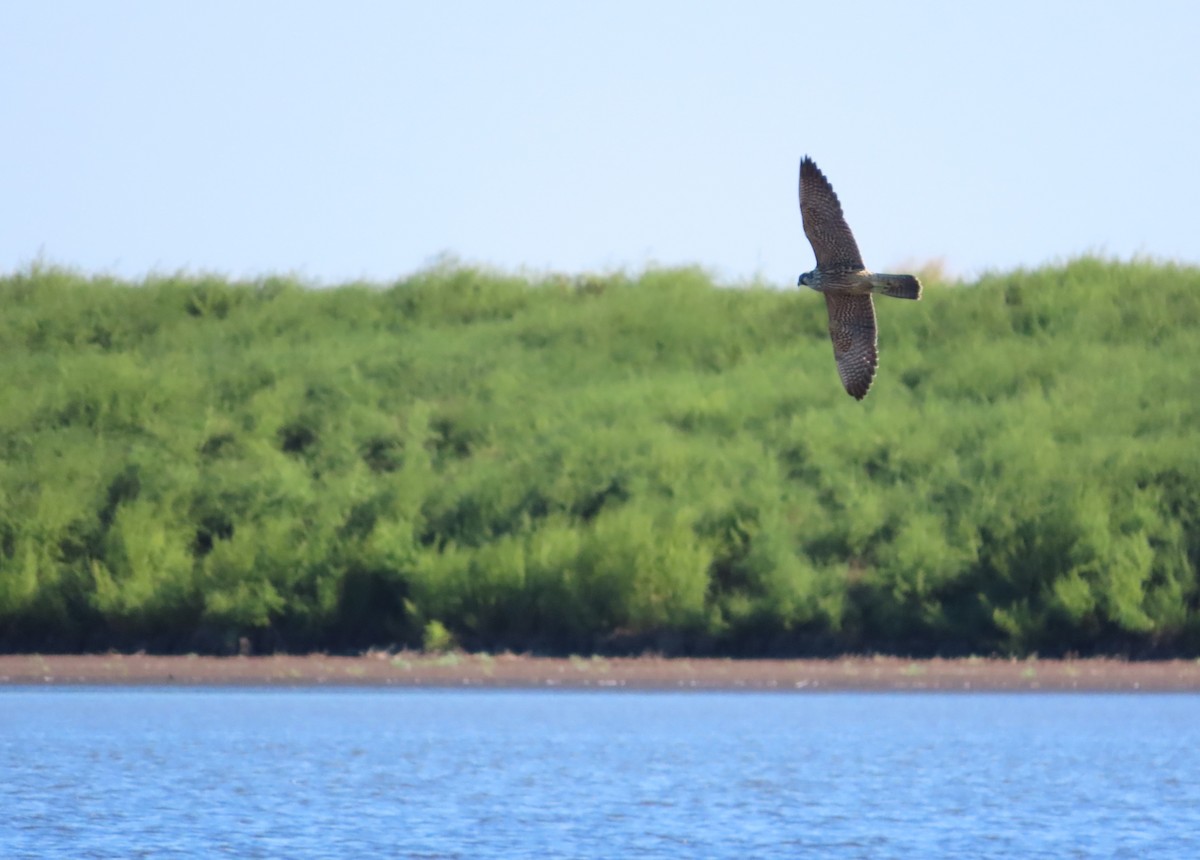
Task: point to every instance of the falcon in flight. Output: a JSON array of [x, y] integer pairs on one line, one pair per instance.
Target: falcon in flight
[[845, 281]]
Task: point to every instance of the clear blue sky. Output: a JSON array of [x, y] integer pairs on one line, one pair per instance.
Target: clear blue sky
[[344, 140]]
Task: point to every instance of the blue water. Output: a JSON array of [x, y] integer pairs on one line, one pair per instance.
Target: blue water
[[435, 774]]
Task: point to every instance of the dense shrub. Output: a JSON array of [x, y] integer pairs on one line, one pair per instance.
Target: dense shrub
[[601, 463]]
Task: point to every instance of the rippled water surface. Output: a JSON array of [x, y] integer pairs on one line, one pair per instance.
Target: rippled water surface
[[435, 774]]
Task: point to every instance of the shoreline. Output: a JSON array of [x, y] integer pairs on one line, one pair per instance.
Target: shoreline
[[513, 671]]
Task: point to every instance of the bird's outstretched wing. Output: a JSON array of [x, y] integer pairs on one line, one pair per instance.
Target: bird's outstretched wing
[[824, 224], [852, 330]]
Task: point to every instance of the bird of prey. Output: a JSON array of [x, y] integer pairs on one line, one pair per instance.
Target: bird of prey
[[845, 281]]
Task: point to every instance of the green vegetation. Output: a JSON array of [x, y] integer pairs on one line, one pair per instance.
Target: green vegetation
[[599, 464]]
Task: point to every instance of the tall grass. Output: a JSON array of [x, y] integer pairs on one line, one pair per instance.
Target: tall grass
[[600, 463]]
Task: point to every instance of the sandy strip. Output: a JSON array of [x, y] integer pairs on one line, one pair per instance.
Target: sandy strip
[[407, 669]]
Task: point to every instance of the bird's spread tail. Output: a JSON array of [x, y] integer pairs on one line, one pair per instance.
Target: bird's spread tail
[[896, 286]]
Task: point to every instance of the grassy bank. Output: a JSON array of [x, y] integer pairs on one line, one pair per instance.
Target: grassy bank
[[599, 463]]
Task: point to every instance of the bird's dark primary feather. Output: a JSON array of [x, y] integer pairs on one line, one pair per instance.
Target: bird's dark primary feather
[[852, 330], [824, 224]]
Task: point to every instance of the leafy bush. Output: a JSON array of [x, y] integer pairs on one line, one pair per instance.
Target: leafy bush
[[599, 463]]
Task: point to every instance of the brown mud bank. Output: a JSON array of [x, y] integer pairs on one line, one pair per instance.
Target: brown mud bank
[[408, 669]]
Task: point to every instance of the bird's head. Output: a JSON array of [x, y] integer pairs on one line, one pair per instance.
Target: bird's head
[[806, 280]]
